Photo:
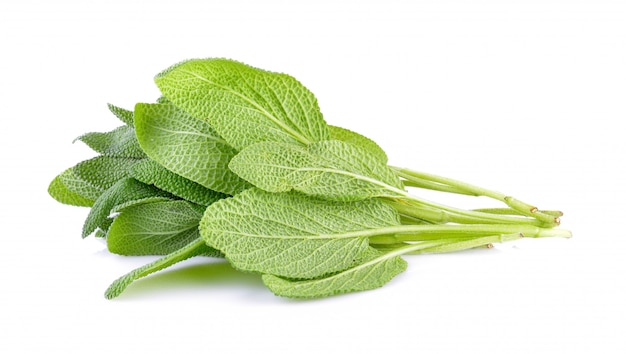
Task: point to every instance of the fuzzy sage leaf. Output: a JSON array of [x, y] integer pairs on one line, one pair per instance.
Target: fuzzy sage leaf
[[150, 172], [290, 234], [186, 146], [245, 105], [328, 169], [156, 228]]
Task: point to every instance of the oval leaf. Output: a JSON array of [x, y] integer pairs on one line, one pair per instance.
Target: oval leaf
[[375, 271], [186, 146], [332, 170], [245, 105], [157, 228], [290, 234]]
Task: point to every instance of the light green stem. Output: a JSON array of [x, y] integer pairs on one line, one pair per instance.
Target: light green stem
[[401, 233], [450, 245], [522, 207], [423, 209]]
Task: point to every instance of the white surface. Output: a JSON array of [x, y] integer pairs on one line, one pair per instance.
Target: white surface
[[525, 97]]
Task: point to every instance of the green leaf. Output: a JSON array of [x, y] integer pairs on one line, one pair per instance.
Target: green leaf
[[150, 172], [375, 271], [163, 100], [120, 142], [103, 172], [332, 170], [64, 186], [245, 105], [196, 247], [290, 234], [156, 228], [120, 207], [186, 146], [124, 115], [358, 140], [124, 190]]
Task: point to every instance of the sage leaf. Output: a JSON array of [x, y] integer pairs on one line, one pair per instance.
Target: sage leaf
[[122, 114], [332, 170], [103, 172], [186, 146], [120, 142], [150, 172], [245, 105], [290, 234], [194, 248], [358, 140], [156, 228], [124, 190], [376, 270], [67, 189]]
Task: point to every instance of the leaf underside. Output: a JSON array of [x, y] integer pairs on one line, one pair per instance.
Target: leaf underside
[[375, 271], [332, 170], [278, 233]]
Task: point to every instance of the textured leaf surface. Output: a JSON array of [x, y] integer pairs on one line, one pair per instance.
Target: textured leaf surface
[[328, 169], [157, 228], [358, 140], [120, 207], [61, 192], [186, 146], [194, 248], [290, 234], [150, 172], [245, 105], [103, 172], [120, 142], [376, 270], [124, 190], [122, 114]]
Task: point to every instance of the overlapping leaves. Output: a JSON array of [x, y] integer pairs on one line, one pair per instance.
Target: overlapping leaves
[[237, 162]]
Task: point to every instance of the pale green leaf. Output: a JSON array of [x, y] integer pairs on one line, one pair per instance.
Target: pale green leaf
[[375, 271], [196, 247], [358, 140], [290, 234], [122, 114], [150, 172], [64, 186], [332, 170], [120, 142], [156, 228], [124, 190], [163, 100], [186, 146], [245, 105]]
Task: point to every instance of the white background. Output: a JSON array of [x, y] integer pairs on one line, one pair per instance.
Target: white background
[[525, 97]]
